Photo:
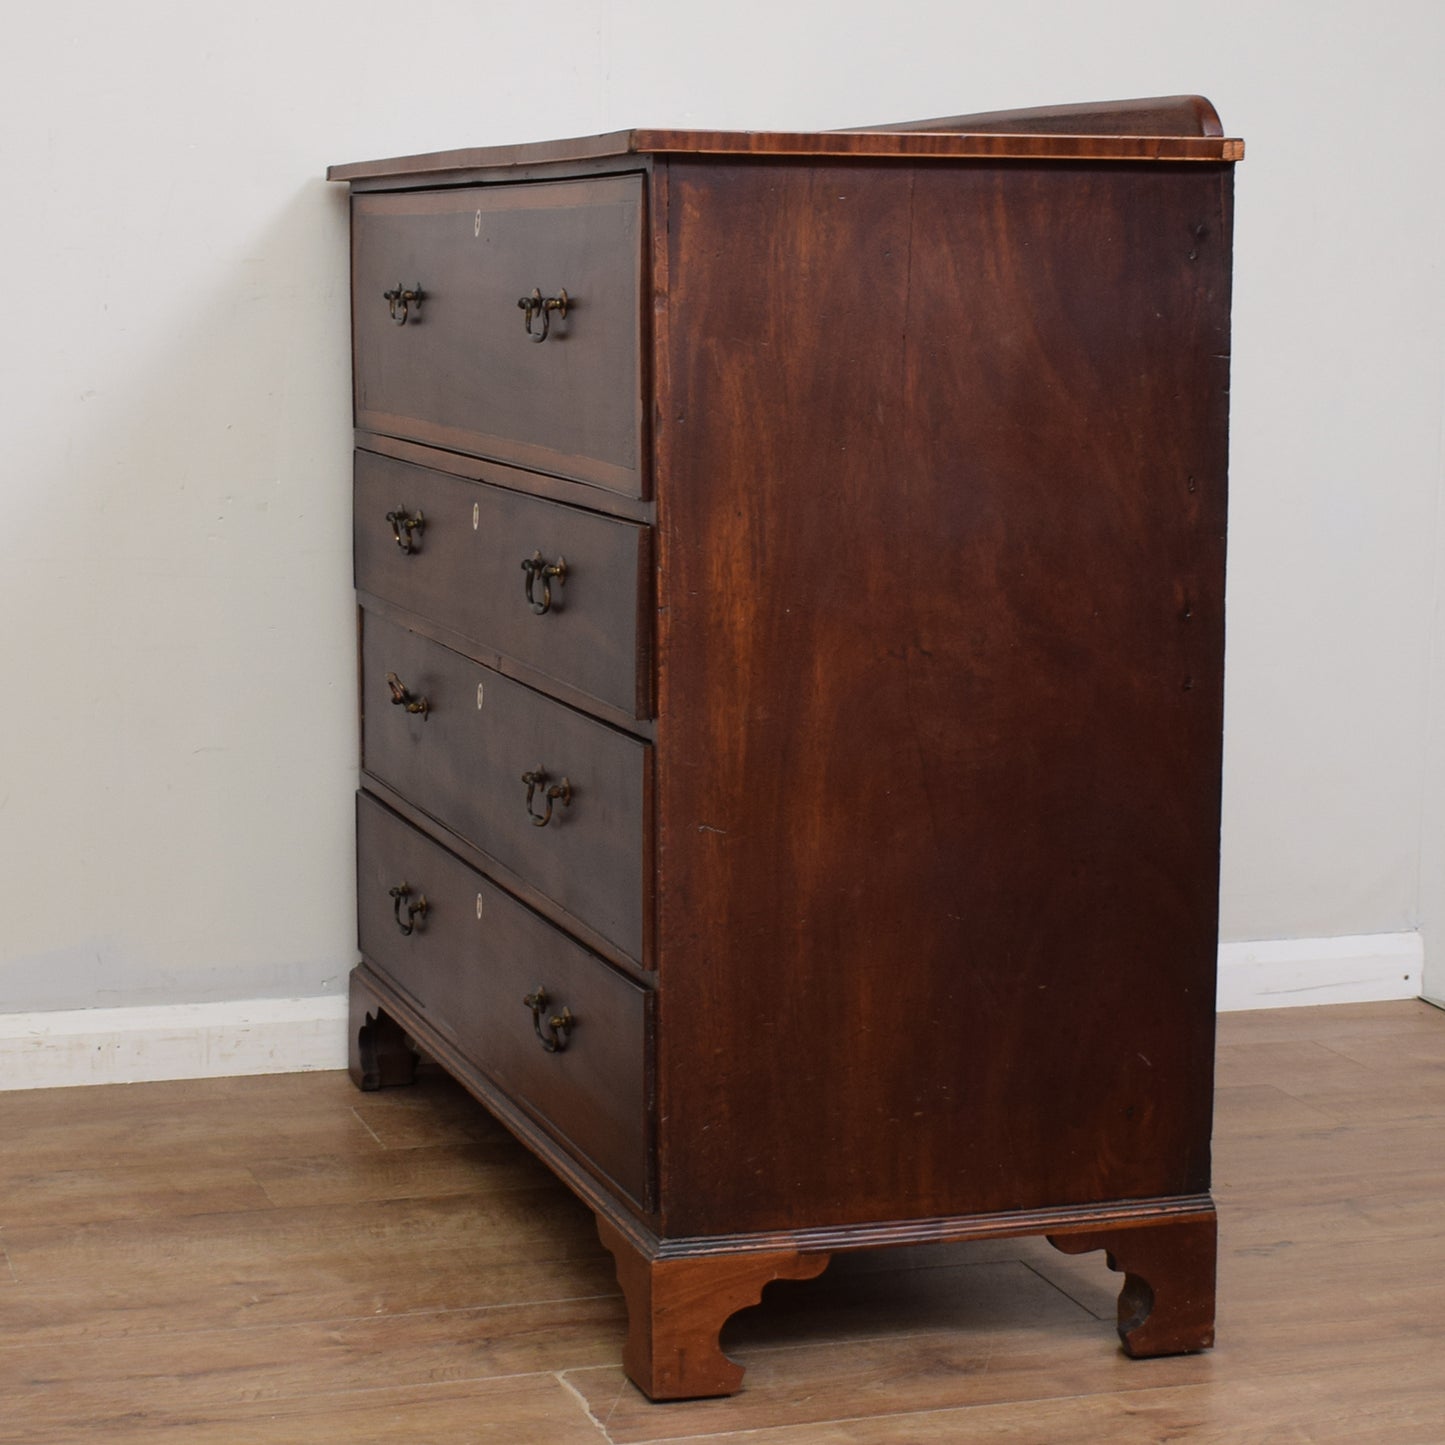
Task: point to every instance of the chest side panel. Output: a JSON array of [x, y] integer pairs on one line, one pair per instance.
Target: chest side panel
[[941, 514]]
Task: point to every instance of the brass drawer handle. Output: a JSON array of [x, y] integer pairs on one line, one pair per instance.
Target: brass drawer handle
[[403, 524], [415, 912], [535, 567], [553, 792], [559, 1026], [538, 305], [401, 697], [407, 297]]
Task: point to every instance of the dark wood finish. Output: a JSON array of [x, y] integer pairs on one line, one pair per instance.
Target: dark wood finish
[[371, 989], [379, 1054], [511, 881], [574, 697], [676, 1309], [499, 474], [960, 789], [1120, 143], [463, 570], [593, 1093], [462, 372], [1157, 115], [1167, 1304], [464, 764], [934, 1229], [938, 435], [681, 1292]]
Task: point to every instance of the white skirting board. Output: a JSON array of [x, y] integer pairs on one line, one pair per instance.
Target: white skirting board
[[172, 1041], [1285, 972], [277, 1036]]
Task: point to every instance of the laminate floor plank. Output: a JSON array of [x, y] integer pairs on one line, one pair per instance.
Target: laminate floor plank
[[433, 1111], [1293, 1410], [281, 1259], [1252, 1110], [232, 1270], [537, 1223], [1364, 1150], [60, 1320], [1410, 1100], [811, 1383], [1290, 1066], [1419, 1052], [1271, 1027], [162, 1189], [1347, 1213], [520, 1410], [420, 1172], [114, 1105], [199, 1370], [159, 1123], [962, 1370]]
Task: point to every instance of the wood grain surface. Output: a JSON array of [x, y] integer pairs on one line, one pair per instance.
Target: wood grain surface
[[1156, 115], [939, 712], [470, 961], [461, 567], [465, 759], [460, 371], [283, 1260], [1086, 142]]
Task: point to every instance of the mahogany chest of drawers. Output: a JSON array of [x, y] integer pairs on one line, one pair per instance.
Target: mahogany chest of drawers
[[791, 601]]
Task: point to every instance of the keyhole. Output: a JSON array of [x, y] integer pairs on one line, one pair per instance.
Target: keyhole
[[480, 690], [476, 515], [479, 905], [477, 225]]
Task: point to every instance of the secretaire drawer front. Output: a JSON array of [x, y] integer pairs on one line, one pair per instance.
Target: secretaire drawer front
[[492, 976], [553, 587], [553, 795], [444, 352]]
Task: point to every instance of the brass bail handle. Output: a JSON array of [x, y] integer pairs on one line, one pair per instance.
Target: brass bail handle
[[543, 306], [401, 696], [405, 297], [559, 1026], [415, 912], [551, 792], [403, 524], [536, 568]]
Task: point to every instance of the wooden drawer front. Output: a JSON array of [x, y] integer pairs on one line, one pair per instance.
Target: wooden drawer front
[[460, 370], [464, 570], [473, 955], [463, 760]]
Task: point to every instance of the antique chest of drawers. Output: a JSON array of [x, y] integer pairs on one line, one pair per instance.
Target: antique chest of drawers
[[791, 605]]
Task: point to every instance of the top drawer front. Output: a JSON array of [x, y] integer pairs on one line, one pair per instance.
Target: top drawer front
[[457, 369], [461, 566]]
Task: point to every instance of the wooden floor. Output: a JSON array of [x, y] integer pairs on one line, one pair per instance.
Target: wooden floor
[[284, 1261]]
